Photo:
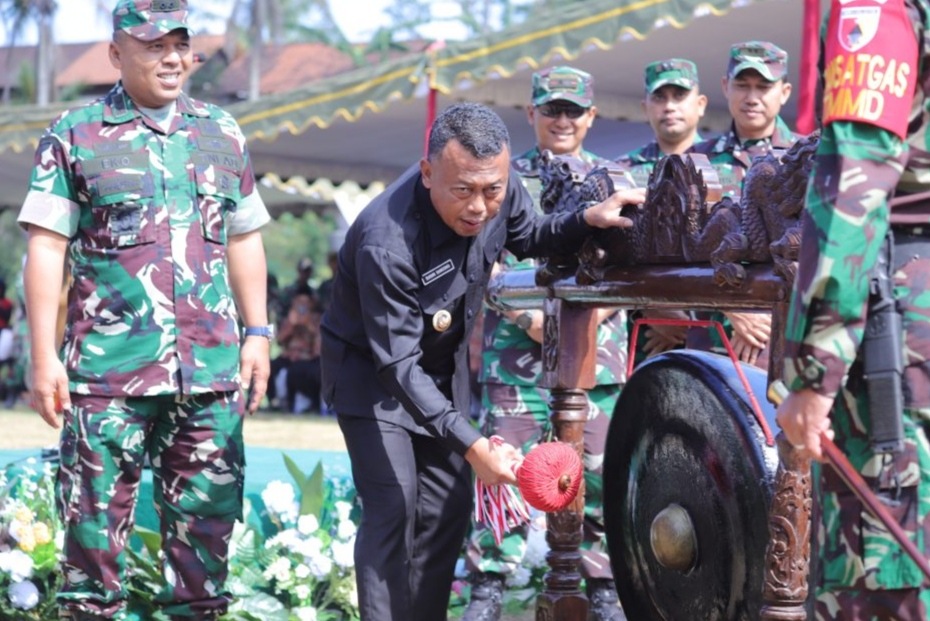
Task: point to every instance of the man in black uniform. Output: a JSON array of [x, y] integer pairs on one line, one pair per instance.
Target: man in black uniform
[[412, 277]]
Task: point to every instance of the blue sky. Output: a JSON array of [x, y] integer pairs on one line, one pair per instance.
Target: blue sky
[[78, 20]]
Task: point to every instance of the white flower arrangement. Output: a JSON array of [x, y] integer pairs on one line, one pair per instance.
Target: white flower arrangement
[[30, 541], [290, 559]]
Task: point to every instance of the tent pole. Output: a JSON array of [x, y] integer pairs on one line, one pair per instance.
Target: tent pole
[[810, 48], [430, 117]]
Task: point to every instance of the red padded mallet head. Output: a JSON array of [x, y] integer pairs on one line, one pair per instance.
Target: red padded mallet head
[[550, 476]]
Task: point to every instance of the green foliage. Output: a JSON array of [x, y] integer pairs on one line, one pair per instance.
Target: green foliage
[[12, 247], [28, 550], [310, 488], [290, 237]]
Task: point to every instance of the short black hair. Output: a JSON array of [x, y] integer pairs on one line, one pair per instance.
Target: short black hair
[[476, 127]]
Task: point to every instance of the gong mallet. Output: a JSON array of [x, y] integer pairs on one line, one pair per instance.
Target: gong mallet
[[854, 481]]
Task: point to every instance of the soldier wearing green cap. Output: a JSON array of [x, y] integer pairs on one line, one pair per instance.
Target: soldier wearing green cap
[[756, 88], [513, 405], [149, 197], [674, 106], [866, 220]]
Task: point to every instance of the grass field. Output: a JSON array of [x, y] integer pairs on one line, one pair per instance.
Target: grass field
[[22, 428]]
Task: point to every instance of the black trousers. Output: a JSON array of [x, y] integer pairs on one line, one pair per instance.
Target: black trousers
[[416, 499]]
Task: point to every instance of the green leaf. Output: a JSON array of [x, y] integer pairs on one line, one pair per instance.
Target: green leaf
[[311, 493], [261, 606], [296, 473], [150, 539], [310, 488]]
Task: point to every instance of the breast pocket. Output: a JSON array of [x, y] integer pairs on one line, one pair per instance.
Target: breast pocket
[[441, 296], [122, 210], [217, 196]]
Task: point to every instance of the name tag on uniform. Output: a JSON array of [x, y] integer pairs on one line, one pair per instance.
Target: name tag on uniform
[[119, 184], [129, 161], [439, 271]]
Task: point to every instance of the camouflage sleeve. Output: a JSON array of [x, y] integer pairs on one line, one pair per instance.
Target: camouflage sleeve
[[856, 169], [50, 202], [251, 213]]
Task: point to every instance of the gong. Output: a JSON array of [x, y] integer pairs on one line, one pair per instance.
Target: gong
[[688, 477]]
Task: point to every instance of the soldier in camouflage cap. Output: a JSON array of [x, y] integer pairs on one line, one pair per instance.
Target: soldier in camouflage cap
[[674, 106], [149, 197], [675, 71], [563, 84], [870, 175], [756, 88], [148, 20], [513, 404], [767, 59]]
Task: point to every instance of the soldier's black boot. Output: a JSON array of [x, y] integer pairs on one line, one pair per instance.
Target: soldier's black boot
[[487, 596], [603, 604]]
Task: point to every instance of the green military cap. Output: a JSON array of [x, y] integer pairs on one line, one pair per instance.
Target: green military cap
[[563, 83], [149, 19], [766, 58], [677, 71]]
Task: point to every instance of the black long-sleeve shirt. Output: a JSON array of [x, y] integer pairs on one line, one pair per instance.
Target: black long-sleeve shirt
[[400, 265]]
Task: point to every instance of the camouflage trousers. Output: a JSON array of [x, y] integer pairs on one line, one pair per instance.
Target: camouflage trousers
[[196, 451], [864, 573], [520, 415]]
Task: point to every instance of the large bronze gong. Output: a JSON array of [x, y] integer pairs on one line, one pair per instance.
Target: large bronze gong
[[688, 478]]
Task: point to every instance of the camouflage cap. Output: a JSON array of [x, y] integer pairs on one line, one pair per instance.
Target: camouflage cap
[[766, 58], [149, 19], [565, 84], [676, 71]]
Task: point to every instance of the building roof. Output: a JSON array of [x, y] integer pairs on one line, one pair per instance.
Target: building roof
[[13, 58], [283, 67]]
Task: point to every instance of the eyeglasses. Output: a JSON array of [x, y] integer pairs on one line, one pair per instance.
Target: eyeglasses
[[554, 111]]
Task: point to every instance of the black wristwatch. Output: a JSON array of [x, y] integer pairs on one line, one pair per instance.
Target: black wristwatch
[[266, 331], [524, 320]]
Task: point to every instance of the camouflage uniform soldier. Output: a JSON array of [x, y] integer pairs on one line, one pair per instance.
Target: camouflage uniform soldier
[[151, 196], [756, 88], [867, 154], [514, 405], [673, 105]]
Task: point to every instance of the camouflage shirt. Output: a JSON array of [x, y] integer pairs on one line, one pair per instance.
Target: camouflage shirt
[[828, 312], [857, 168], [641, 162], [732, 157], [147, 214], [509, 356]]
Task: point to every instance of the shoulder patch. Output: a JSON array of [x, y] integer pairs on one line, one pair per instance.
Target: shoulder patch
[[870, 68]]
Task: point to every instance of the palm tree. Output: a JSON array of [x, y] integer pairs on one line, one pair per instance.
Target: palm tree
[[281, 21], [263, 16], [16, 14]]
